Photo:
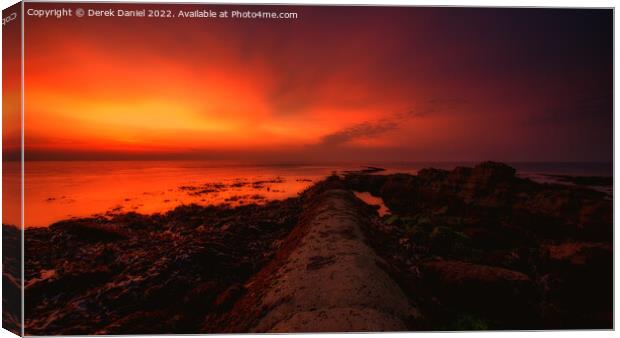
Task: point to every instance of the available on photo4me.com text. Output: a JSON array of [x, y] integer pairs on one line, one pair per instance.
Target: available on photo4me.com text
[[159, 13]]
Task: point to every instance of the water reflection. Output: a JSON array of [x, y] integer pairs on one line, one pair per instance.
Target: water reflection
[[61, 190], [373, 200]]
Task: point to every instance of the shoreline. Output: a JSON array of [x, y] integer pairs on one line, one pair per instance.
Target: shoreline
[[147, 187], [601, 183], [502, 238]]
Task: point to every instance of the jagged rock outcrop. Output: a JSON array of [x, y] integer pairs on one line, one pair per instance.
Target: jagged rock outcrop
[[469, 248], [465, 235]]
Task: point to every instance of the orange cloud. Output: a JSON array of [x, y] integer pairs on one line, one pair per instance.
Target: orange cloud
[[342, 76]]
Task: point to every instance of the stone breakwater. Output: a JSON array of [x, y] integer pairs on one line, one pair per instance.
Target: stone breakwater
[[326, 279]]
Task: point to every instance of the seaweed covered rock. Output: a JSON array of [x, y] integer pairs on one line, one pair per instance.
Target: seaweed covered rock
[[486, 244], [577, 280], [470, 248], [88, 230], [11, 278], [138, 274], [489, 184], [400, 192], [496, 292], [364, 182]]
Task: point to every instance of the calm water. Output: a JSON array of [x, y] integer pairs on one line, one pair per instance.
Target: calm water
[[61, 190]]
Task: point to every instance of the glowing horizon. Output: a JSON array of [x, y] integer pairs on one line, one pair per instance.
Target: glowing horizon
[[387, 84]]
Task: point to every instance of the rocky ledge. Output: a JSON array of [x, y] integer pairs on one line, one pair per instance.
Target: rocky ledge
[[480, 248], [470, 248]]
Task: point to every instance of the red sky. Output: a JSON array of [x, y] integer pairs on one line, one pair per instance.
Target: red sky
[[338, 83]]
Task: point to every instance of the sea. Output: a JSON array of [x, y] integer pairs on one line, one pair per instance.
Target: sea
[[56, 191]]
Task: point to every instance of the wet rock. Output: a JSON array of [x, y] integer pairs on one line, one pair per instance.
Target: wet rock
[[89, 230], [447, 241], [578, 253], [142, 322], [491, 290], [577, 282], [203, 294], [161, 273], [516, 254], [502, 236], [493, 172], [11, 303], [11, 278], [400, 192], [489, 184], [227, 299], [369, 183], [528, 245]]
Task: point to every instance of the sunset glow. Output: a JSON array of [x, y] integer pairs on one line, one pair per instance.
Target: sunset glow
[[319, 87], [227, 169]]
